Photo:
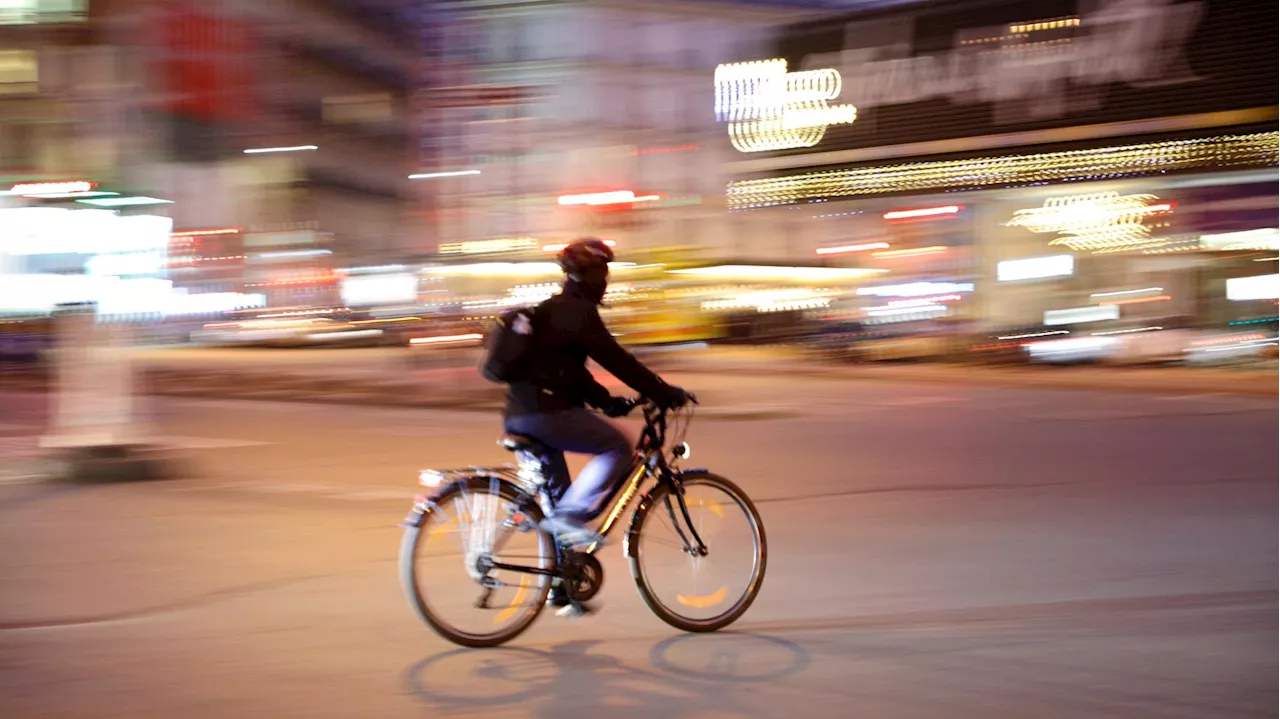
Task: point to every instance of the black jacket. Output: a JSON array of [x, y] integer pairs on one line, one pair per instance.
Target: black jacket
[[567, 329]]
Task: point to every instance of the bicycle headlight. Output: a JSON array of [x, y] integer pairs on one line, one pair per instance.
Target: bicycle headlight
[[681, 451]]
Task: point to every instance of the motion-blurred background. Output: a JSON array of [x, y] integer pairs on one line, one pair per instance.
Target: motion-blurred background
[[982, 181], [252, 246]]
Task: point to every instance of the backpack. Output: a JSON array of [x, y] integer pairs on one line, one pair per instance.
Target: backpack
[[508, 346]]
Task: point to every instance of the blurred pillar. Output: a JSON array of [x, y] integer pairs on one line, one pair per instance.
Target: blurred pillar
[[96, 432]]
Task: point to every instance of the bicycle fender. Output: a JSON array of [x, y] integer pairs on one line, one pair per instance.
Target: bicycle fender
[[631, 547], [423, 502]]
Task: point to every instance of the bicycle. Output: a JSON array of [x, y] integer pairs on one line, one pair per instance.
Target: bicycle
[[496, 505]]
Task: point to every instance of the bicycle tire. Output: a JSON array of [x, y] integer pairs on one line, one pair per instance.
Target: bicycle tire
[[654, 502], [408, 566]]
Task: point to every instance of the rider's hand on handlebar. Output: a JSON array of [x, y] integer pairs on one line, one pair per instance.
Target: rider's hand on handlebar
[[618, 407], [677, 399]]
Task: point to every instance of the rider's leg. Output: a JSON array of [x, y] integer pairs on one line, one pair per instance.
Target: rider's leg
[[583, 432]]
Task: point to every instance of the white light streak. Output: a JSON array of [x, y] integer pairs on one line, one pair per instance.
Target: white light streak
[[126, 201], [1127, 292], [445, 339], [1034, 334], [433, 175], [293, 148], [922, 212], [1153, 328], [853, 248]]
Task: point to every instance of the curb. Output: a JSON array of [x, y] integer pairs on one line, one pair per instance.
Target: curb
[[1245, 382], [485, 397]]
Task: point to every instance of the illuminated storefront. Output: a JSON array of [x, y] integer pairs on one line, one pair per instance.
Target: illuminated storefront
[[1058, 156]]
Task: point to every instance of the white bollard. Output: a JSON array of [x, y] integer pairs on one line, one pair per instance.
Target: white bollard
[[96, 430]]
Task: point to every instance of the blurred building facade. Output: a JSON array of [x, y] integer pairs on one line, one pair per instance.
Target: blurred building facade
[[576, 118], [163, 98], [1020, 164]]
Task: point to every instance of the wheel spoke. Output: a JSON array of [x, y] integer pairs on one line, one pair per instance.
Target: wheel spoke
[[444, 592], [702, 595]]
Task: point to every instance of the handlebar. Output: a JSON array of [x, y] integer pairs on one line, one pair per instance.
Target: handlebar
[[646, 402], [654, 435]]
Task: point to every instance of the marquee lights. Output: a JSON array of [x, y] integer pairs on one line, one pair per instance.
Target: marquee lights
[[768, 108], [1259, 149], [1098, 222]]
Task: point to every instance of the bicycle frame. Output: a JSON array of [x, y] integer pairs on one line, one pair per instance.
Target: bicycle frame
[[643, 466], [649, 461]]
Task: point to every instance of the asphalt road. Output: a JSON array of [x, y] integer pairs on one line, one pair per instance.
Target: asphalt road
[[934, 552]]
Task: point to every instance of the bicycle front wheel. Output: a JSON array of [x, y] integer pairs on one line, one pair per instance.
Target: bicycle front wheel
[[690, 592], [445, 563]]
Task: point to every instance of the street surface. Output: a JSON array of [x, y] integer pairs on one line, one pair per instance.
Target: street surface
[[935, 551]]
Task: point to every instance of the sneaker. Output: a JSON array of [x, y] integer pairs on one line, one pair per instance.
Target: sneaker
[[574, 610], [569, 534], [558, 597]]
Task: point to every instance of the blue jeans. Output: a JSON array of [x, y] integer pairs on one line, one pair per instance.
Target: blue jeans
[[579, 431]]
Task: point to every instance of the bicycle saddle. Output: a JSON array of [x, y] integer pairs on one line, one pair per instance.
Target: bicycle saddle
[[521, 443]]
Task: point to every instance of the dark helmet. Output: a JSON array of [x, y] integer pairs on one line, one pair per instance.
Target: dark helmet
[[586, 258]]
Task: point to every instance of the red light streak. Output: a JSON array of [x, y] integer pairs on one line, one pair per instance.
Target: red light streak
[[215, 231], [917, 301], [1137, 301]]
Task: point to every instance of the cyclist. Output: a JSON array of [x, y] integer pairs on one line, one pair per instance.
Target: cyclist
[[551, 405]]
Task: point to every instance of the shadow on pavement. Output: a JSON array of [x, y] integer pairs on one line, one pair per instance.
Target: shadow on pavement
[[689, 675]]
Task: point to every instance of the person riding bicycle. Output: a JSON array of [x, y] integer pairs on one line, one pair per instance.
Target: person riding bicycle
[[550, 406]]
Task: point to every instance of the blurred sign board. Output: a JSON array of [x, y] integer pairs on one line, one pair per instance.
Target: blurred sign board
[[943, 70], [464, 96], [489, 247], [204, 58]]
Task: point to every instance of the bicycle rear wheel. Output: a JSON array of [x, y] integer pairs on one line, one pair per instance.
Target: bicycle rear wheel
[[692, 593], [442, 563]]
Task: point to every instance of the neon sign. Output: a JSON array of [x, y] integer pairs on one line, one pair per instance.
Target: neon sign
[[768, 108]]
